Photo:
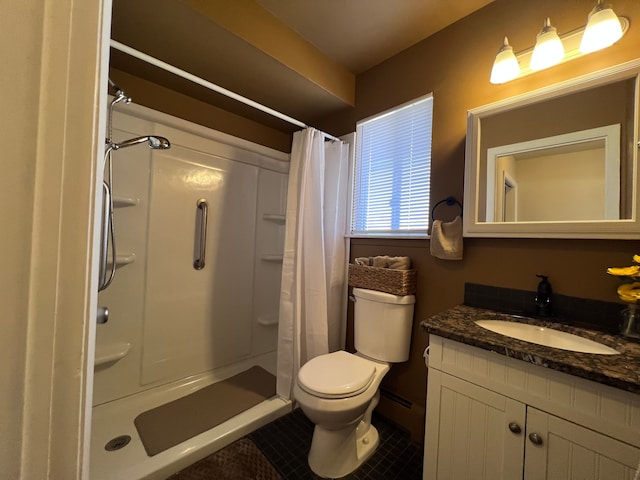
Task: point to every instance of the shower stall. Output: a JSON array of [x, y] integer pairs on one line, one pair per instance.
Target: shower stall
[[199, 235]]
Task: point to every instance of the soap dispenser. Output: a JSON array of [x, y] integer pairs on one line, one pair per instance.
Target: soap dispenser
[[543, 298]]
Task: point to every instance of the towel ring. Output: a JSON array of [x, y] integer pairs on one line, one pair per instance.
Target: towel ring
[[449, 201]]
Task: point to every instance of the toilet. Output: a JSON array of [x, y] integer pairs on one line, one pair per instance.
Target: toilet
[[338, 391]]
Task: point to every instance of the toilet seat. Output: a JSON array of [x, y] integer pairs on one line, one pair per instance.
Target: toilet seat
[[336, 375]]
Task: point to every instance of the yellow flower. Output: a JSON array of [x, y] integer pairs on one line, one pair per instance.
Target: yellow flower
[[632, 271], [629, 292]]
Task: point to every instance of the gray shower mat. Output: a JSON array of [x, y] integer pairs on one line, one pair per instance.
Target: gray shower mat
[[167, 425]]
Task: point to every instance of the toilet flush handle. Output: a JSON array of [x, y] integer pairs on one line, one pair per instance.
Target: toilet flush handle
[[352, 298]]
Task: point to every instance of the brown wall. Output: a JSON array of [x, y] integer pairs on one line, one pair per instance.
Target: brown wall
[[455, 65]]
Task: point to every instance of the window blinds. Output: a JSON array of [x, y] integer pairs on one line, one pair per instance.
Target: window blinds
[[392, 172]]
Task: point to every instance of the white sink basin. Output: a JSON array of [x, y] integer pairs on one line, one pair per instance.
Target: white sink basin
[[546, 336]]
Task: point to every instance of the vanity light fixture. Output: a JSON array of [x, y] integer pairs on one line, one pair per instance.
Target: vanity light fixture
[[548, 50], [568, 46], [603, 29]]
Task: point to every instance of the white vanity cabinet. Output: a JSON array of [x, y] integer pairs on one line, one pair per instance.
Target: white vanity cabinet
[[468, 434], [494, 417]]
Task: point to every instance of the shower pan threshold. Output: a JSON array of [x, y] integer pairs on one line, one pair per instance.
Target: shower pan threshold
[[115, 418]]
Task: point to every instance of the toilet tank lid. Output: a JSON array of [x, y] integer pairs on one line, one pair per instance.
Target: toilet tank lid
[[338, 374], [383, 297]]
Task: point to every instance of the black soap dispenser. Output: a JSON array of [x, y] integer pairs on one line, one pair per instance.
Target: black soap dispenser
[[543, 298]]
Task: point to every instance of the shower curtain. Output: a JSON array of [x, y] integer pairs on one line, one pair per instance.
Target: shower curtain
[[313, 293]]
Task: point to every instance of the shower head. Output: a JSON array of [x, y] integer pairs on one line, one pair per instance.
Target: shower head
[[159, 143], [156, 143]]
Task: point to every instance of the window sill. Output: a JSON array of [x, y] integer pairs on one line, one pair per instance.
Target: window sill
[[421, 236]]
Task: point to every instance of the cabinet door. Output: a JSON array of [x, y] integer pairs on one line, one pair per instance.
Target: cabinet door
[[468, 432], [570, 452]]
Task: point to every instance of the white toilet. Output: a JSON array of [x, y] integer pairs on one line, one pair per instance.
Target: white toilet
[[338, 391]]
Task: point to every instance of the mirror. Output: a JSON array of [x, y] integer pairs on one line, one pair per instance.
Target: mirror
[[557, 162]]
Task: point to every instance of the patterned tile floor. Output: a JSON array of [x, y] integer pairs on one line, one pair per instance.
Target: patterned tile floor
[[286, 441]]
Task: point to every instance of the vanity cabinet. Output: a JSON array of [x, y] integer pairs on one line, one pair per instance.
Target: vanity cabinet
[[494, 417], [468, 432]]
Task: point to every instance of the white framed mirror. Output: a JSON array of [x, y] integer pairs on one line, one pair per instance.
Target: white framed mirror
[[559, 162]]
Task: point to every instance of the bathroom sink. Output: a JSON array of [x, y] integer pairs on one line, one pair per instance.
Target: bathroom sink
[[546, 336]]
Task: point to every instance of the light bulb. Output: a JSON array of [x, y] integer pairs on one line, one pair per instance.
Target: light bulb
[[548, 50], [505, 66], [603, 29]]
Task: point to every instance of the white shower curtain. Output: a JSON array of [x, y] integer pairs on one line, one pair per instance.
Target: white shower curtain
[[314, 271]]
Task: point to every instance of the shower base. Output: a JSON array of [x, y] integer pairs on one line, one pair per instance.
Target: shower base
[[115, 419]]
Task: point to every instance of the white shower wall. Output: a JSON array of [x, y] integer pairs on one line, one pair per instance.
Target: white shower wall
[[169, 321]]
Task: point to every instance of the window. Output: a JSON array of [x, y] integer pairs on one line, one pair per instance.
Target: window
[[392, 172]]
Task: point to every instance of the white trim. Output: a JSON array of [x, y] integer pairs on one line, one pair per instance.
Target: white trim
[[583, 82], [62, 290]]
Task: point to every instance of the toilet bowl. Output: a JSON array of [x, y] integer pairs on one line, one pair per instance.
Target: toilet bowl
[[339, 391], [343, 438]]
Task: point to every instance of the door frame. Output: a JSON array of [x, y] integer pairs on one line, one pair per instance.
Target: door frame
[[56, 422]]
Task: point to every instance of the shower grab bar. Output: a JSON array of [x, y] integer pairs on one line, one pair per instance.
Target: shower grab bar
[[203, 207], [104, 244]]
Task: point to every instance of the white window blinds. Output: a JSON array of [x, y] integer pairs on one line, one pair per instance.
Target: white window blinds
[[392, 172]]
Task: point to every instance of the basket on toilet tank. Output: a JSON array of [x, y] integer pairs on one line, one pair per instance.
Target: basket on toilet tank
[[382, 324], [398, 282]]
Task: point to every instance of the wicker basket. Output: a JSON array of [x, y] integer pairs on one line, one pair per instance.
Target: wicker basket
[[397, 282]]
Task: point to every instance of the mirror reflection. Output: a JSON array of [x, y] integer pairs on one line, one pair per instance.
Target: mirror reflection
[[568, 177]]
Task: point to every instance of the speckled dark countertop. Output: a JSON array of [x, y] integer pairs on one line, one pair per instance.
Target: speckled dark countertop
[[620, 371]]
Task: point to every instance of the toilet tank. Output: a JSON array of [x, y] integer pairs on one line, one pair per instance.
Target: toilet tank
[[382, 324]]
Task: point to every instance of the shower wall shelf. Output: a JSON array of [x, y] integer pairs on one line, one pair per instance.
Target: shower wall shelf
[[111, 353], [272, 258], [123, 259], [274, 217], [120, 201]]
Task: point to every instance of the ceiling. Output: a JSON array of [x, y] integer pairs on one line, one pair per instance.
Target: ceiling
[[364, 33], [299, 57]]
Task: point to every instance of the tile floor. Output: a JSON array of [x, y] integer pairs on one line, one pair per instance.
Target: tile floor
[[286, 441]]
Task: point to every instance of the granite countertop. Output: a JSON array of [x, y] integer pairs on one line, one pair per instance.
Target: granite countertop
[[620, 371]]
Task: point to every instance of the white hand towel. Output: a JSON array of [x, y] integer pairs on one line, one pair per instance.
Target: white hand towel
[[446, 239]]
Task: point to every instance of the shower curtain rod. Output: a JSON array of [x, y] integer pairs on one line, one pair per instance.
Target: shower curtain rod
[[211, 86]]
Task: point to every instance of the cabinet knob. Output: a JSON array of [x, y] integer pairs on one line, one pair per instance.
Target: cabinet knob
[[515, 428], [535, 438]]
